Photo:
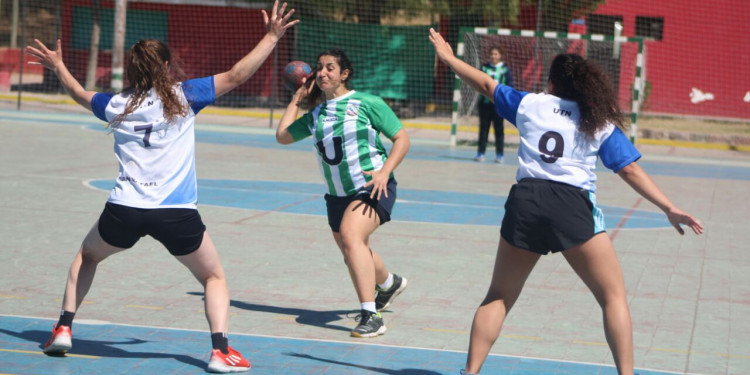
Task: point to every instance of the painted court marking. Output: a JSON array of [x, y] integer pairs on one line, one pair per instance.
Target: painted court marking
[[427, 206], [114, 348], [126, 349]]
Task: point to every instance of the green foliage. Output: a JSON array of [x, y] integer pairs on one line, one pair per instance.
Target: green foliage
[[369, 11], [494, 13], [556, 14]]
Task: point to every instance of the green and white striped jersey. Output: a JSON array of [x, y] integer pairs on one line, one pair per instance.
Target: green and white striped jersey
[[347, 138], [500, 73]]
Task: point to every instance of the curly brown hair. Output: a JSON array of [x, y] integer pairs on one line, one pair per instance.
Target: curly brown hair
[[575, 78], [148, 66]]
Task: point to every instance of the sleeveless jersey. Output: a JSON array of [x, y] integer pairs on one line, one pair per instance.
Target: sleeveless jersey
[[551, 146], [347, 131], [156, 157]]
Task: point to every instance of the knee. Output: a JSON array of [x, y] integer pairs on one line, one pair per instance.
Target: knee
[[350, 242], [90, 255], [211, 278], [492, 296], [217, 279], [507, 298], [611, 298]]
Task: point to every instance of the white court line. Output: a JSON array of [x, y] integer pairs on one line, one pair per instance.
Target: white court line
[[98, 322]]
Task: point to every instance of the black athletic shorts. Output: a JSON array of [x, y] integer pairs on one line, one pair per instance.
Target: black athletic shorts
[[543, 216], [336, 206], [180, 230]]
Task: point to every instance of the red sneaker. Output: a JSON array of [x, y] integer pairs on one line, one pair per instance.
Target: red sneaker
[[230, 362], [60, 342]]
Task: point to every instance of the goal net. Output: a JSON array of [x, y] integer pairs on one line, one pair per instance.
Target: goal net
[[529, 55]]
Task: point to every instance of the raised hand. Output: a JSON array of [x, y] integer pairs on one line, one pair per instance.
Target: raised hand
[[443, 50], [278, 23], [46, 57], [304, 89], [53, 60]]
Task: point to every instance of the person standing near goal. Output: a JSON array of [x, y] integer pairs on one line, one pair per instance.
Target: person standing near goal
[[156, 190], [552, 207], [500, 73], [346, 126]]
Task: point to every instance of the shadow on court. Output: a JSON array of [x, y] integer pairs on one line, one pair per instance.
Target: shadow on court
[[103, 348], [405, 371], [314, 318]]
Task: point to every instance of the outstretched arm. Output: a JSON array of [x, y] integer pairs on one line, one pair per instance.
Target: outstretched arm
[[640, 181], [276, 26], [478, 80], [53, 60]]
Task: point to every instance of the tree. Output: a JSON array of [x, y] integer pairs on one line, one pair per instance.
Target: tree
[[93, 47], [556, 14], [363, 11]]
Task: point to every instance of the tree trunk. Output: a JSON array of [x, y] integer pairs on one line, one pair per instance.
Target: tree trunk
[[369, 12], [93, 48]]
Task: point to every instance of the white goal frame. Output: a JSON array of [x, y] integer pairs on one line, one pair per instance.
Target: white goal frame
[[638, 84]]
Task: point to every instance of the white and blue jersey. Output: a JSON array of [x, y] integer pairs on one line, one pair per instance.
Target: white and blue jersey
[[551, 146], [156, 157]]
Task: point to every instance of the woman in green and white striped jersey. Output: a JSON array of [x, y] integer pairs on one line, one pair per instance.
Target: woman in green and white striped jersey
[[346, 127]]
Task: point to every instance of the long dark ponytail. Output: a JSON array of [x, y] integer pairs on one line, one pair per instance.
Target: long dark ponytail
[[575, 78], [147, 67], [316, 95]]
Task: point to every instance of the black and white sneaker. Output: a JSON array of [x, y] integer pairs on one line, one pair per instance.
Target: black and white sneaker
[[370, 325], [386, 297]]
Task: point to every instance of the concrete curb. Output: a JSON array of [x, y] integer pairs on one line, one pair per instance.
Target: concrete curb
[[731, 142]]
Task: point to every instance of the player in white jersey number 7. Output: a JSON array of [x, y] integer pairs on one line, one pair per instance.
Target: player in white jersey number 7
[[156, 191], [346, 126], [553, 205]]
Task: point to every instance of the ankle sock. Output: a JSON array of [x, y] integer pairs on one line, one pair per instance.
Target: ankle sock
[[369, 306], [388, 283], [220, 341], [66, 318]]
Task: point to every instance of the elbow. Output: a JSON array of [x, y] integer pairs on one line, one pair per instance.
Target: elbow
[[235, 78], [401, 140], [489, 89], [629, 170], [283, 140]]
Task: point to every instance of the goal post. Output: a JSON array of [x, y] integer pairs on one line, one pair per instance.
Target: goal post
[[529, 55]]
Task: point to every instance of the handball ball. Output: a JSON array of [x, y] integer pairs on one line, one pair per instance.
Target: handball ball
[[294, 72]]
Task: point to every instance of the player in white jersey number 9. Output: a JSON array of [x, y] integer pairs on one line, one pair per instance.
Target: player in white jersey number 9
[[361, 189], [553, 205], [156, 190]]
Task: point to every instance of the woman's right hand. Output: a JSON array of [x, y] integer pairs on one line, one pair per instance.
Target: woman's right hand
[[46, 57], [443, 50], [303, 91]]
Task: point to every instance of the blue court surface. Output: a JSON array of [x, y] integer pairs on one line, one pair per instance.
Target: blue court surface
[[119, 349], [414, 205], [291, 294]]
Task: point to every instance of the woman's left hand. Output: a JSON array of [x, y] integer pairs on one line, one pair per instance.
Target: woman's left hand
[[379, 183]]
